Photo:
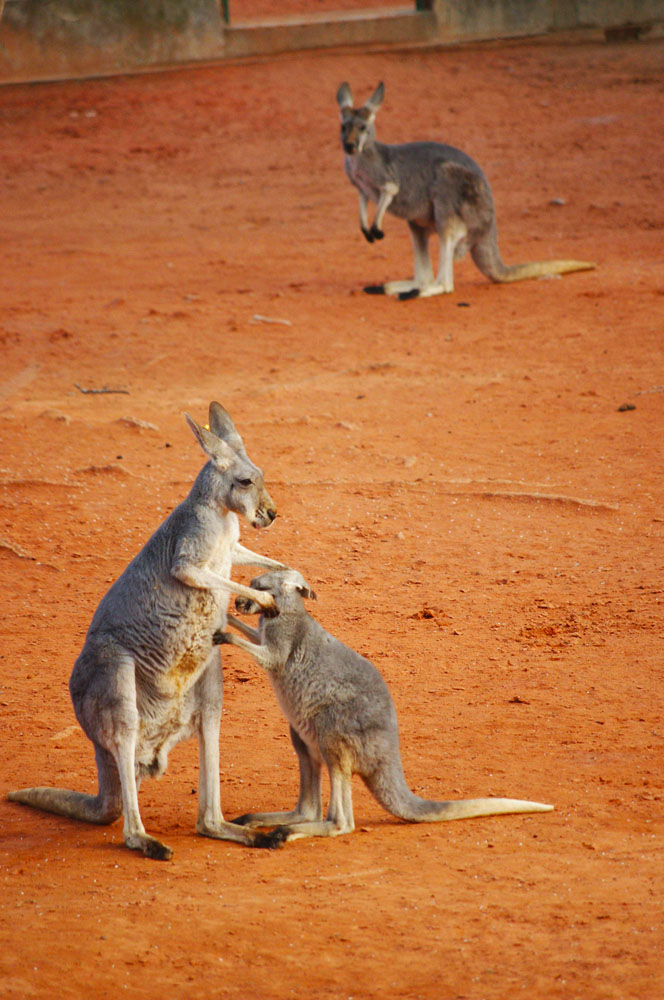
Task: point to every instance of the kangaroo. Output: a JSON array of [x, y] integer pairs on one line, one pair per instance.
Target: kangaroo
[[148, 675], [435, 188], [340, 713]]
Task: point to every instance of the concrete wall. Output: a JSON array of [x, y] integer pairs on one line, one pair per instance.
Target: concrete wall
[[55, 39], [461, 20]]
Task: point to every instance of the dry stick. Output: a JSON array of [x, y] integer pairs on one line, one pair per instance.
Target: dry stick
[[99, 392], [645, 392]]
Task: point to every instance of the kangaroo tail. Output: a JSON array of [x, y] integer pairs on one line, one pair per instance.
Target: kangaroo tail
[[388, 786], [74, 805], [487, 258]]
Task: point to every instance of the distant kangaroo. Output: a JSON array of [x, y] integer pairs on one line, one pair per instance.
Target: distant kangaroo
[[436, 189], [341, 714], [148, 675]]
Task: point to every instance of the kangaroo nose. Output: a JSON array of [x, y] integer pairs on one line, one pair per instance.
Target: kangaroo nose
[[271, 514]]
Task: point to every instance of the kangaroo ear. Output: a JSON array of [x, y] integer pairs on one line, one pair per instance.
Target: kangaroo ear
[[376, 98], [344, 97], [306, 591], [214, 447], [221, 424]]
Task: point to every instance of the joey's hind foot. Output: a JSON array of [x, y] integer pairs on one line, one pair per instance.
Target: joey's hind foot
[[244, 820], [274, 839]]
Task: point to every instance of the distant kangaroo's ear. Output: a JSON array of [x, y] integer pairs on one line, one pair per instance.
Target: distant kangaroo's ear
[[221, 424], [214, 447], [344, 98], [376, 98]]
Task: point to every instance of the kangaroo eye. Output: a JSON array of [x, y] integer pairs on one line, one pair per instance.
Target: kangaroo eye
[[244, 483]]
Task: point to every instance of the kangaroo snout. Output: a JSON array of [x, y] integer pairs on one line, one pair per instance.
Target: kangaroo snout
[[264, 518]]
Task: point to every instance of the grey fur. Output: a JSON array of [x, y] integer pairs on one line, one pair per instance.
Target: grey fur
[[148, 675], [436, 189], [341, 714]]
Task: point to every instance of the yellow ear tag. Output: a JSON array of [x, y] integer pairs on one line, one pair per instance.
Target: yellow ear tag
[[206, 426]]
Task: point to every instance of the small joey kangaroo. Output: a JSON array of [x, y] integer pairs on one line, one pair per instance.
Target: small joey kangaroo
[[436, 189], [341, 714], [148, 675]]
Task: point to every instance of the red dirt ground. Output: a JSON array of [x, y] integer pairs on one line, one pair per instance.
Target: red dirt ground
[[454, 477]]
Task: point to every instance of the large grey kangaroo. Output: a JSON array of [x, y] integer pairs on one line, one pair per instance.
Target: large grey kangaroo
[[340, 713], [436, 189], [148, 675]]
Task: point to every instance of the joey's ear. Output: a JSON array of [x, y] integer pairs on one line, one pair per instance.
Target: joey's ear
[[306, 591], [376, 98], [344, 98], [221, 424], [214, 447]]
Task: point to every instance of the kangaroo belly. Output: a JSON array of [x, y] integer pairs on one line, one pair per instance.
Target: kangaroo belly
[[167, 723], [300, 716], [420, 212]]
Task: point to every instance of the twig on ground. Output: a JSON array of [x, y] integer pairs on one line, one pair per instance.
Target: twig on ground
[[100, 392]]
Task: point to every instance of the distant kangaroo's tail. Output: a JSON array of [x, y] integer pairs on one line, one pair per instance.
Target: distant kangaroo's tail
[[74, 805], [487, 258], [388, 786]]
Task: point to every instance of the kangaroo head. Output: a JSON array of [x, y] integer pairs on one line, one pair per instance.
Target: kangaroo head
[[357, 124], [238, 484], [287, 586]]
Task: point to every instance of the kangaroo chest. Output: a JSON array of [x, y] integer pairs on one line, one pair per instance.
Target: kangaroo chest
[[366, 176], [221, 545]]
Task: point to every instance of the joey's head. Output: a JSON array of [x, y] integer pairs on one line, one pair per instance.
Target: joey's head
[[238, 484], [287, 586], [357, 124]]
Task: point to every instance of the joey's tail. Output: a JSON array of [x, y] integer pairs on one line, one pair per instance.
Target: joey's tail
[[388, 786], [74, 805], [487, 258]]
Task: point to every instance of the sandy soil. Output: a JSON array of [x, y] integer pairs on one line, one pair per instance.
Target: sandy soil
[[456, 477]]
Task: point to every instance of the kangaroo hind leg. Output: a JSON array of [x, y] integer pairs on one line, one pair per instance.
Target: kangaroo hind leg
[[135, 837], [410, 288], [339, 818], [112, 714], [309, 806], [453, 236]]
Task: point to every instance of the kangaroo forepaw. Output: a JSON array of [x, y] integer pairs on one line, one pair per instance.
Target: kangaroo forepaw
[[221, 638], [368, 235], [376, 233]]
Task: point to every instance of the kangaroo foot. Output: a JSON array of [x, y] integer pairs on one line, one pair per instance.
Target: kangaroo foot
[[150, 847]]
